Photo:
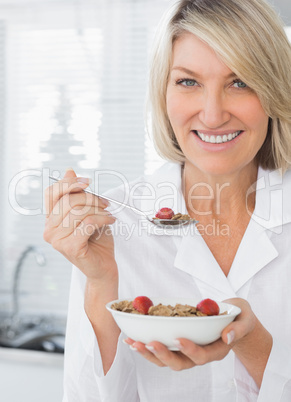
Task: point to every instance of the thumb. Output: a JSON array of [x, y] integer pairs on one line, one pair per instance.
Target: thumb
[[243, 324], [70, 173]]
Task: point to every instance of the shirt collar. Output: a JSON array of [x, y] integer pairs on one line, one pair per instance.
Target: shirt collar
[[272, 210], [273, 199]]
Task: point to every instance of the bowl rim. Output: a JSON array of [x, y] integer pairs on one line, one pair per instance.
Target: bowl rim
[[236, 310]]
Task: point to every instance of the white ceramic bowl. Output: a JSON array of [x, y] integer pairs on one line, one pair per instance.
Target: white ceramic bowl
[[147, 328]]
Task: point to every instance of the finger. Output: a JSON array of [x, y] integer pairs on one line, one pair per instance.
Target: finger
[[93, 226], [146, 353], [62, 187], [57, 190], [174, 360], [128, 341], [79, 205], [201, 355], [70, 173], [81, 227], [91, 223], [75, 245]]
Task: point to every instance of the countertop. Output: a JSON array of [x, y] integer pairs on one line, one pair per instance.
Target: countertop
[[31, 357], [30, 376]]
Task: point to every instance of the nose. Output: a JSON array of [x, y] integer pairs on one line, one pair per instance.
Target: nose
[[214, 111]]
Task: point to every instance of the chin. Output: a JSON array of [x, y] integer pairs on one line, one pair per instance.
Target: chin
[[219, 166]]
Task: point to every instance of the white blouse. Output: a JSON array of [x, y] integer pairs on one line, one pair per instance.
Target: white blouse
[[179, 263]]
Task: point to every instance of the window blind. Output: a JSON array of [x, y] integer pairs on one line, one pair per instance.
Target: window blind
[[75, 83]]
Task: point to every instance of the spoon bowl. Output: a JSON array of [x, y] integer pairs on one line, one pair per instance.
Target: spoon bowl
[[161, 223], [171, 223]]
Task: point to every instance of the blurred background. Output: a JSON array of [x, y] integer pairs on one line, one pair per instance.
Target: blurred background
[[73, 79]]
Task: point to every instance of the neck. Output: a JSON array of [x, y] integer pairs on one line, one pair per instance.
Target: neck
[[219, 195]]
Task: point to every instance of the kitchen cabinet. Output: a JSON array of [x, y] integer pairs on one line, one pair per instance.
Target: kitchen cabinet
[[30, 376]]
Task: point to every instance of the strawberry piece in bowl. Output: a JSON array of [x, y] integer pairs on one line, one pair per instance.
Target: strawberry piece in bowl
[[208, 307], [142, 304], [165, 213]]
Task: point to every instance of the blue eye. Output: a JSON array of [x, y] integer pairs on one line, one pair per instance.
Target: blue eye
[[187, 82], [239, 84]]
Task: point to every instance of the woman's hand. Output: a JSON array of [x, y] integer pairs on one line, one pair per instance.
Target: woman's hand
[[246, 336], [76, 226]]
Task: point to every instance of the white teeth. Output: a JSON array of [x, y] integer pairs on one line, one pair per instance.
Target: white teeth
[[218, 139]]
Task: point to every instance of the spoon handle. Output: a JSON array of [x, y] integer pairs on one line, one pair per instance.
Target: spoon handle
[[108, 199]]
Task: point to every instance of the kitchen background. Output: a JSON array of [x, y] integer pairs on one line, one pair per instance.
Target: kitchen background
[[73, 76]]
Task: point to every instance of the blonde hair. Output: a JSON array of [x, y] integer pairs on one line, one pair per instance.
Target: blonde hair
[[249, 37]]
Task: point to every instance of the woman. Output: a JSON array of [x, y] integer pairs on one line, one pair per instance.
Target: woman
[[220, 98]]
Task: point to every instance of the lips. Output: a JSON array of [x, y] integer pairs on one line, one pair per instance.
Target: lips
[[217, 139]]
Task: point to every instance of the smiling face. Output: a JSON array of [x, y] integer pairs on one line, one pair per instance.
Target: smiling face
[[218, 121]]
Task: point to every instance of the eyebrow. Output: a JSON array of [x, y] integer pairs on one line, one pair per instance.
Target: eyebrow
[[193, 74]]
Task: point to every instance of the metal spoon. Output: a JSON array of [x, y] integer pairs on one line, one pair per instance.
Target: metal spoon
[[162, 223]]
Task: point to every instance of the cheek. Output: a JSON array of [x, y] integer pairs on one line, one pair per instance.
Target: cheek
[[255, 117], [177, 110], [172, 108]]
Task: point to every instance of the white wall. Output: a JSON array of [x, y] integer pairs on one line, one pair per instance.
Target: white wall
[[284, 9]]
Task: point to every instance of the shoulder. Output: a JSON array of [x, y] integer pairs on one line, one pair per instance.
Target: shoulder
[[287, 178]]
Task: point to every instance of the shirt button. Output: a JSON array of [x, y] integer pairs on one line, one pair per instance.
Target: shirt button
[[231, 383]]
